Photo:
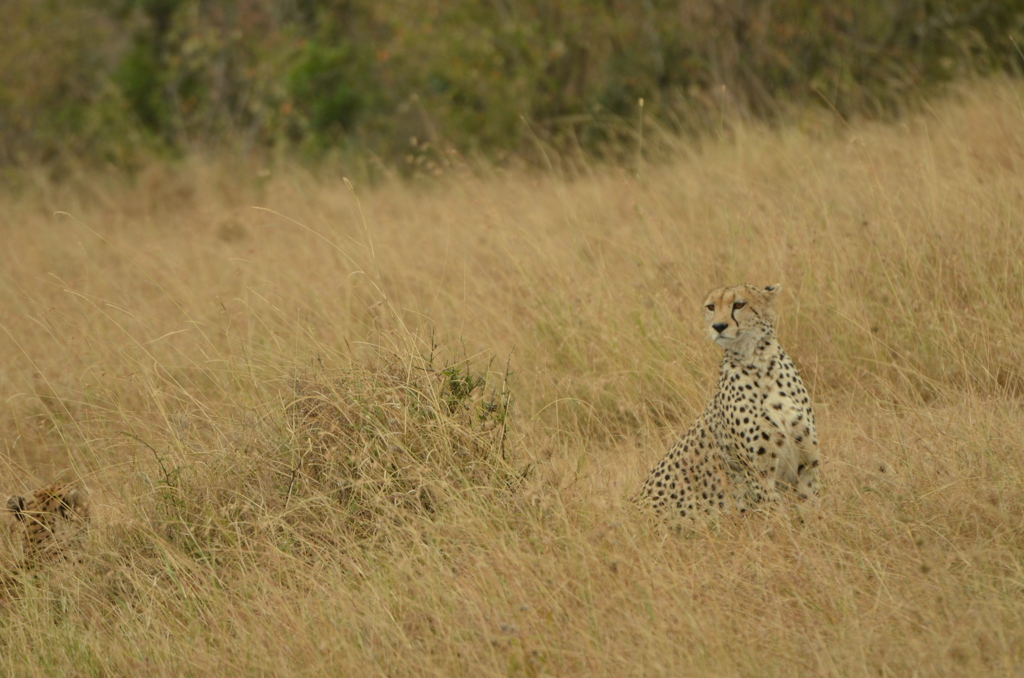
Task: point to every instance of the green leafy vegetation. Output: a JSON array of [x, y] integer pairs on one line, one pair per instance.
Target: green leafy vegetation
[[110, 81]]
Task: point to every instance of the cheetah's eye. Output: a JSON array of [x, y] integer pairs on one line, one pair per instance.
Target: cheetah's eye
[[710, 307], [738, 305]]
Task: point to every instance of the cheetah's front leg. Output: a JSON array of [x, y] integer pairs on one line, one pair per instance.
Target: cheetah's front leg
[[753, 482], [762, 455]]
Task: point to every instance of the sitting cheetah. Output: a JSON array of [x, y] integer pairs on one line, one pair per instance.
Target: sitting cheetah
[[52, 517], [758, 429]]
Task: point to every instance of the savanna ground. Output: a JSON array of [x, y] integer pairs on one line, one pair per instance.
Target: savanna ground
[[394, 430]]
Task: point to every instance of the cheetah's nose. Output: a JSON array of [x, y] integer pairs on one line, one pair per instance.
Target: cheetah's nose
[[719, 327]]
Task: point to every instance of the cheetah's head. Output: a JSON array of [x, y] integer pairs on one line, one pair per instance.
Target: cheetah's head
[[59, 502], [739, 316]]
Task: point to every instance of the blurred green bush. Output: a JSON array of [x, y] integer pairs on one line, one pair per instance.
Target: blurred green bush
[[116, 81]]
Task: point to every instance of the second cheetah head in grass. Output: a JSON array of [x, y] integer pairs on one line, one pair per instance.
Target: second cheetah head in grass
[[51, 518]]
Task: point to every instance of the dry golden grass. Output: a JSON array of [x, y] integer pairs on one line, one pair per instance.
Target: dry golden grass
[[394, 431]]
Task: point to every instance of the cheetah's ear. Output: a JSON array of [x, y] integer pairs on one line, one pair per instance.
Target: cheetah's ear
[[72, 500], [16, 505], [771, 292], [77, 503]]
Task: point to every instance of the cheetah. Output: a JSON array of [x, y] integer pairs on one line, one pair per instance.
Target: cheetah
[[757, 434], [52, 518]]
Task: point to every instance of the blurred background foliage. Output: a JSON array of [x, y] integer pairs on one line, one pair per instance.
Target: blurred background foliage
[[117, 82]]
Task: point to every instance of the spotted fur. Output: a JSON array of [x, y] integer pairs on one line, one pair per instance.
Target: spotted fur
[[51, 519], [757, 434]]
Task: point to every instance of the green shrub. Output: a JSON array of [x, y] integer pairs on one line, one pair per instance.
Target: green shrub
[[323, 74]]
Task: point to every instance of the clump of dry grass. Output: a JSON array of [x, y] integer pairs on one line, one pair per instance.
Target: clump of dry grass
[[349, 453], [394, 429], [286, 478]]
